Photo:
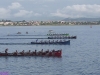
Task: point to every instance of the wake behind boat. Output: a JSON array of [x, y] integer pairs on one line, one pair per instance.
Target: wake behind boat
[[50, 37], [50, 33], [45, 42], [25, 35]]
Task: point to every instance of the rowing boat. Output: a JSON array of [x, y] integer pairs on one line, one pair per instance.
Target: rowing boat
[[52, 53], [53, 42], [66, 34], [62, 37]]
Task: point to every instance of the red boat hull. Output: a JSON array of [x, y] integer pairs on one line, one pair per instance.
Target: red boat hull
[[49, 54]]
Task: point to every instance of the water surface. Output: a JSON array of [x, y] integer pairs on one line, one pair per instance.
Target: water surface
[[81, 57]]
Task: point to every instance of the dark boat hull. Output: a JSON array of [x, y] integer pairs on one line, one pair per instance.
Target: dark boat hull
[[61, 43], [69, 37]]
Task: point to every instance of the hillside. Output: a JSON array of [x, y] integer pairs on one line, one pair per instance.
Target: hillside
[[81, 19]]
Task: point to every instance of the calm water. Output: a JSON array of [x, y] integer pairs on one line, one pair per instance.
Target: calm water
[[81, 57]]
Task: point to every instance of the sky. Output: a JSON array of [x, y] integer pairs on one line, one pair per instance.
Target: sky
[[44, 10]]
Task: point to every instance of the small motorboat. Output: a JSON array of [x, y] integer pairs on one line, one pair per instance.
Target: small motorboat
[[18, 32], [26, 32]]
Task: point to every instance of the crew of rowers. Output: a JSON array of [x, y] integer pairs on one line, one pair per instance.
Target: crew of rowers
[[39, 53], [60, 37], [58, 34], [52, 41]]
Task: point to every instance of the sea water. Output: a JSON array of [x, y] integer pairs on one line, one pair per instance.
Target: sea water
[[81, 57]]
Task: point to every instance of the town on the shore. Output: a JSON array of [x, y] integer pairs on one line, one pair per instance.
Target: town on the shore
[[40, 23]]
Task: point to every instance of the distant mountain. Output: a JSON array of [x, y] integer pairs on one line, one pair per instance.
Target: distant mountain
[[81, 19]]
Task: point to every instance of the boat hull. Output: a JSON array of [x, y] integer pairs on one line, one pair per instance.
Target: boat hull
[[57, 55], [42, 54], [69, 37], [56, 43]]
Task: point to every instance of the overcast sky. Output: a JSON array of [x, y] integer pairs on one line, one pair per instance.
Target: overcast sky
[[48, 9]]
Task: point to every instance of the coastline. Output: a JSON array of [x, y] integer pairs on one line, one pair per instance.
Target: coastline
[[46, 25]]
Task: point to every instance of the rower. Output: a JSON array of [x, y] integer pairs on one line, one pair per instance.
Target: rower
[[23, 52], [35, 52], [29, 51], [6, 51], [15, 53], [49, 41], [47, 52], [42, 50], [53, 50], [45, 41], [36, 40]]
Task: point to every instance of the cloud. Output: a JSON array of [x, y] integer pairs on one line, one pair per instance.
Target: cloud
[[48, 8], [15, 5], [38, 0], [20, 0], [16, 10], [48, 0], [37, 14], [78, 11], [25, 13], [4, 13], [7, 12], [25, 0]]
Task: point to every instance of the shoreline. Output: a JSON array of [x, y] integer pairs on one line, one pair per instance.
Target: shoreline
[[47, 25]]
